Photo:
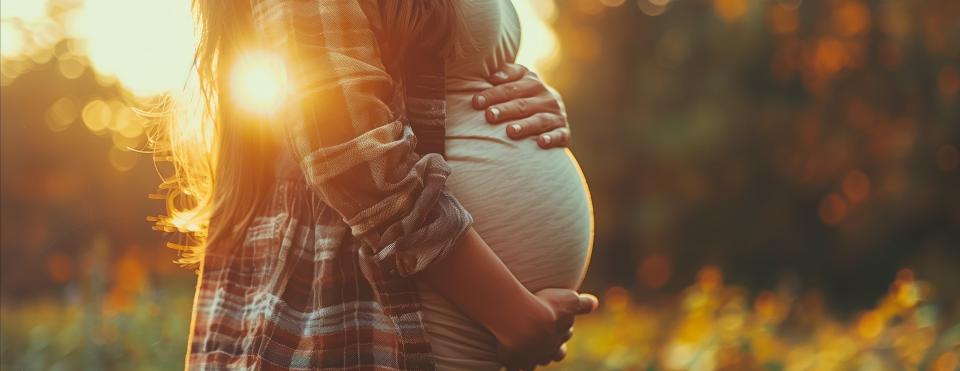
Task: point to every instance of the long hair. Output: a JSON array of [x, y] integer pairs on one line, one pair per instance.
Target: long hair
[[222, 165]]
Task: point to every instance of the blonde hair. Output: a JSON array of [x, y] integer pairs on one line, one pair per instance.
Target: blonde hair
[[222, 168]]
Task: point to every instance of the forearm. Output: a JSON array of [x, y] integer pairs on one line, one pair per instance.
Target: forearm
[[472, 277]]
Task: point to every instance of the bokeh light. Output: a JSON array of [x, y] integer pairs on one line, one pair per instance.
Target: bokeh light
[[774, 181], [62, 114]]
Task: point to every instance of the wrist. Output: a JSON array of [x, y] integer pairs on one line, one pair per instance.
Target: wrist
[[521, 319]]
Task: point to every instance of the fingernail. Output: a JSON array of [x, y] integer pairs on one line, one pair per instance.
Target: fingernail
[[501, 75], [495, 112], [546, 139], [516, 128], [481, 100]]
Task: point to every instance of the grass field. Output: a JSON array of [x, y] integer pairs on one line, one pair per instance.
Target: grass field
[[708, 326]]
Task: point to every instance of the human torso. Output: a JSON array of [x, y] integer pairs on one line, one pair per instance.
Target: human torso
[[530, 205]]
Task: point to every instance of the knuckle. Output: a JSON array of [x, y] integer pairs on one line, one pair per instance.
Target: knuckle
[[498, 93], [558, 124], [536, 121], [532, 87], [549, 121], [546, 102], [553, 103], [535, 84], [522, 106]]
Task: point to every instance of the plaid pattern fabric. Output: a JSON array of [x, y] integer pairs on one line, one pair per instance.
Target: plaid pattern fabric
[[323, 277]]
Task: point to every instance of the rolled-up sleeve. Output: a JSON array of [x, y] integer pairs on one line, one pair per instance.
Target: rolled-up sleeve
[[355, 152]]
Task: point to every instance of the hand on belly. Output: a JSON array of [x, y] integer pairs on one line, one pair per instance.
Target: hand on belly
[[525, 105]]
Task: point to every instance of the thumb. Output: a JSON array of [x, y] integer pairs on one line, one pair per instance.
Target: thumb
[[588, 304]]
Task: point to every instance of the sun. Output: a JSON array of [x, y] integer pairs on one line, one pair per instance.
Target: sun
[[258, 82]]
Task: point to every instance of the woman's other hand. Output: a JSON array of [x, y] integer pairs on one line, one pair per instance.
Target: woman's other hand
[[542, 339], [526, 105]]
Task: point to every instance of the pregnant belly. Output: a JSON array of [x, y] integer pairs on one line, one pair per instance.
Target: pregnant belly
[[530, 205]]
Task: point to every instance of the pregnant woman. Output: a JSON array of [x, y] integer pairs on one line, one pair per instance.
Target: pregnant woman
[[330, 238]]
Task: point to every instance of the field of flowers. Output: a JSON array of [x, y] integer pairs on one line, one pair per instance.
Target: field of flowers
[[818, 138], [709, 326]]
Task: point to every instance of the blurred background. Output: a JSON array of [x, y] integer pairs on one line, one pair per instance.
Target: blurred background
[[775, 181]]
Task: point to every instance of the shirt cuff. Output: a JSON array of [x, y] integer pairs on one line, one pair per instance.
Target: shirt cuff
[[428, 232], [445, 223]]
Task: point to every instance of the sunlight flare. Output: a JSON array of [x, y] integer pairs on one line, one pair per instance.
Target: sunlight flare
[[259, 82]]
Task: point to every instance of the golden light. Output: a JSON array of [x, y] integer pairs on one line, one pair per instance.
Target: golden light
[[870, 325], [26, 10], [731, 10], [539, 46], [11, 40], [259, 82], [62, 114], [146, 44], [654, 271]]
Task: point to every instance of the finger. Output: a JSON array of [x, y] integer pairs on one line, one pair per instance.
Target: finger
[[568, 335], [588, 304], [506, 92], [520, 108], [561, 353], [559, 137], [565, 322], [509, 72], [538, 123]]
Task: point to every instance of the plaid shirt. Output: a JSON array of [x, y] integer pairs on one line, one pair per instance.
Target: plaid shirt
[[323, 277]]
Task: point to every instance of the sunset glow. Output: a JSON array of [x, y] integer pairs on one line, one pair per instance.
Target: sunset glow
[[147, 45], [771, 185], [259, 82], [539, 47]]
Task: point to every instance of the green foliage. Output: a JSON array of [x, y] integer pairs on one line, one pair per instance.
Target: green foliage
[[84, 334]]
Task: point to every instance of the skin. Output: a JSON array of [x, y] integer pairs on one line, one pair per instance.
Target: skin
[[526, 106], [531, 328]]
